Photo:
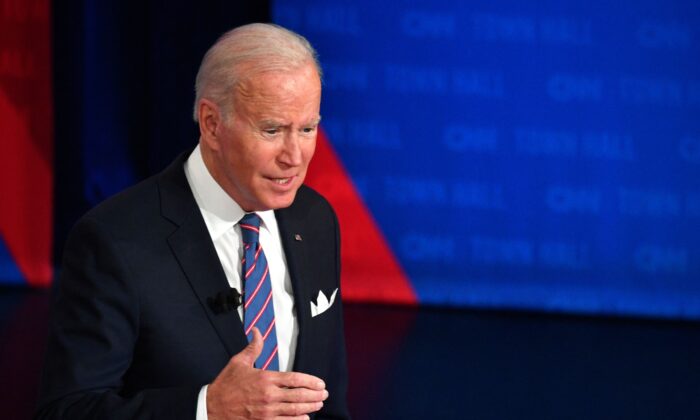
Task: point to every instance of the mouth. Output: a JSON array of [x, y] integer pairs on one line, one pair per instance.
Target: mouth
[[282, 181]]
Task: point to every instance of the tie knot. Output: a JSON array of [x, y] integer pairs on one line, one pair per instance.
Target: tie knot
[[250, 228]]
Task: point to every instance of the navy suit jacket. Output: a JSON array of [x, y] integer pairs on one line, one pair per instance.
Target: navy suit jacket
[[132, 334]]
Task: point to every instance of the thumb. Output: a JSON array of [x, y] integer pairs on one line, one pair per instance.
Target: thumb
[[251, 352]]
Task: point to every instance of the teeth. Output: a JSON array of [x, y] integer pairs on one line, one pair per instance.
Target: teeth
[[282, 180]]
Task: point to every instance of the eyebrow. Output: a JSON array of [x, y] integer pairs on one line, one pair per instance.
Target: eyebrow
[[271, 123], [277, 123]]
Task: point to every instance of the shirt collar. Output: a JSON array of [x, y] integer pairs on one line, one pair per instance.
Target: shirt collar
[[219, 210]]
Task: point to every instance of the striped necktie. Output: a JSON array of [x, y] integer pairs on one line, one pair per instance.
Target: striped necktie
[[259, 311]]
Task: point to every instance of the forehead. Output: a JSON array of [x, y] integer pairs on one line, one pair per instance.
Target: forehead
[[297, 86]]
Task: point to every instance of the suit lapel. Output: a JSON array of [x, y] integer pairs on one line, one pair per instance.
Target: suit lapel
[[195, 252], [296, 252]]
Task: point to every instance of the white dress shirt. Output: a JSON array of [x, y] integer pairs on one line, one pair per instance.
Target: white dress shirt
[[221, 215]]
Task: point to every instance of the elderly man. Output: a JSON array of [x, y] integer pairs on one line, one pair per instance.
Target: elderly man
[[212, 289]]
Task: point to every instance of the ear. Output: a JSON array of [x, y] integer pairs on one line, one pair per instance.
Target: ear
[[209, 116]]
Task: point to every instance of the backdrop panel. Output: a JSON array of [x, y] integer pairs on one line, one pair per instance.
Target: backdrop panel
[[26, 139], [538, 155]]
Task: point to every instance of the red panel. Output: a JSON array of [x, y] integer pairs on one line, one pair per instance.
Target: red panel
[[26, 135], [370, 271]]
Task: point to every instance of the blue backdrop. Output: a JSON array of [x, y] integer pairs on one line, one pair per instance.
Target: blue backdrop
[[541, 154]]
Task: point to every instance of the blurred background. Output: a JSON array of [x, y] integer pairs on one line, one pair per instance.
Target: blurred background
[[518, 187]]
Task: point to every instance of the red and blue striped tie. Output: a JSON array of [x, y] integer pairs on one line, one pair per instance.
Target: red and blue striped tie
[[259, 310]]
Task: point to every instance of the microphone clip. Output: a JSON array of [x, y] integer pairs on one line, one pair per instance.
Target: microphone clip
[[225, 301]]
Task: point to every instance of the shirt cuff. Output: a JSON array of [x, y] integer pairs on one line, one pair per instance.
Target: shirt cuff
[[202, 404]]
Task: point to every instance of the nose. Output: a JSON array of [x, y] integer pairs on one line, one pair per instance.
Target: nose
[[291, 151]]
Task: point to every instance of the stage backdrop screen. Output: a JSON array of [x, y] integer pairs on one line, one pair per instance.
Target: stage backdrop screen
[[541, 154]]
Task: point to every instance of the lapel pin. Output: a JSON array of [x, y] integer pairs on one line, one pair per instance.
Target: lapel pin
[[297, 237]]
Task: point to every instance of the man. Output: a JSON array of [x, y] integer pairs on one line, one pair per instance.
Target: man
[[147, 322]]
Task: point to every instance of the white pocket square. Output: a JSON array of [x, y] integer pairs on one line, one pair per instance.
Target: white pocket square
[[322, 303]]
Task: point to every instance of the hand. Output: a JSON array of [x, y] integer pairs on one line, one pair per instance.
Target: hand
[[241, 391]]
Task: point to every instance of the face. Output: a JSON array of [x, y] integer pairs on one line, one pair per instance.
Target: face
[[260, 153]]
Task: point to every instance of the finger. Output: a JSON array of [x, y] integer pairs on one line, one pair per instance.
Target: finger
[[297, 409], [251, 352], [302, 395], [299, 380]]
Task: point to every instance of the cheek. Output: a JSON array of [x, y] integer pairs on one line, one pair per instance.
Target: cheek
[[308, 151], [235, 166]]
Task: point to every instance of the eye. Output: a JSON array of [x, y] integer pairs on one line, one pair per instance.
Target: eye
[[271, 131], [308, 130]]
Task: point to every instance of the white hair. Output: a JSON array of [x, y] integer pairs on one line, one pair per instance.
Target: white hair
[[245, 51]]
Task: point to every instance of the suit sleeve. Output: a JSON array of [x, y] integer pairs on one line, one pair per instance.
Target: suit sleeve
[[92, 336], [336, 406]]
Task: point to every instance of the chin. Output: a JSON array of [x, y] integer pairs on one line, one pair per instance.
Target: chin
[[281, 202]]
